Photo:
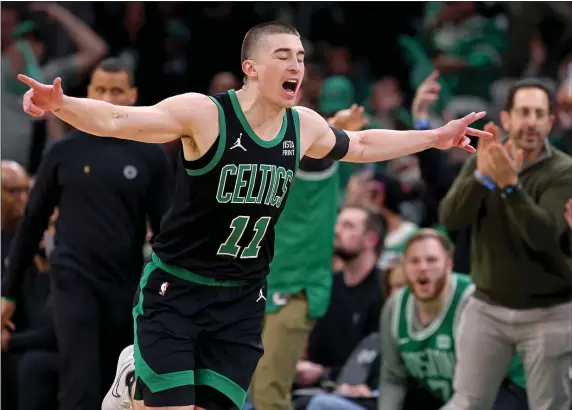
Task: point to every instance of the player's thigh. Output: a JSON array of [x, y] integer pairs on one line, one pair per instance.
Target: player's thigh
[[284, 337], [483, 357], [164, 346], [228, 353]]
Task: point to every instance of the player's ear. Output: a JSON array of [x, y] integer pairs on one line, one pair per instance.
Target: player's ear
[[249, 68]]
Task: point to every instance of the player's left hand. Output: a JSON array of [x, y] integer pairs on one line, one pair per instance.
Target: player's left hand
[[350, 119], [455, 133]]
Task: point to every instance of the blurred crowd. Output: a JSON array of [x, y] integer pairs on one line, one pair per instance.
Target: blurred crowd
[[410, 65]]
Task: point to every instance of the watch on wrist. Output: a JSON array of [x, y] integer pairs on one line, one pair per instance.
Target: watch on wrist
[[509, 189]]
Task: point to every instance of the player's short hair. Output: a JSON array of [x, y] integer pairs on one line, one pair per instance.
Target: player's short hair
[[430, 233], [117, 65], [374, 222], [524, 84], [255, 34]]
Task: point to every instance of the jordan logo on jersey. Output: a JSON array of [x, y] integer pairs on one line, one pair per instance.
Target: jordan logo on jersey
[[238, 143], [261, 295], [288, 149]]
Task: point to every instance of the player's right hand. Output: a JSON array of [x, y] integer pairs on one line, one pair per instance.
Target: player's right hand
[[8, 308], [41, 97]]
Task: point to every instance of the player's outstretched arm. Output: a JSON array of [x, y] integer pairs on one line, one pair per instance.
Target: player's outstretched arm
[[381, 145], [163, 122]]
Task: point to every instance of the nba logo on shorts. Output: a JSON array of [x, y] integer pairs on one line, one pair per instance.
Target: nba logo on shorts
[[164, 287]]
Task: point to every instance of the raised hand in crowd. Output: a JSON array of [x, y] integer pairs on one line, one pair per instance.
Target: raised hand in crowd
[[350, 119], [427, 94]]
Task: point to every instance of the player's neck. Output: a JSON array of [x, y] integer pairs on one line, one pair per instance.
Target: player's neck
[[427, 311], [257, 110], [356, 270]]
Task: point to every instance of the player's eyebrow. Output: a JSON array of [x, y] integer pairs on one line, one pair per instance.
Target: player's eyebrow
[[287, 50]]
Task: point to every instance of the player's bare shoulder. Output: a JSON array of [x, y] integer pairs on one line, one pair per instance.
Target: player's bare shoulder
[[199, 116], [312, 127]]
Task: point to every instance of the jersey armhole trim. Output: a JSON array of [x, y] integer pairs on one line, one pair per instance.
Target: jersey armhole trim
[[297, 130], [220, 147]]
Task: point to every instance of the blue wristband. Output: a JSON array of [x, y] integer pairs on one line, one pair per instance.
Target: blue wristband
[[422, 124], [485, 180]]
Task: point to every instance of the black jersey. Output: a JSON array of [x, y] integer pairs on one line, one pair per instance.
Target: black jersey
[[220, 223]]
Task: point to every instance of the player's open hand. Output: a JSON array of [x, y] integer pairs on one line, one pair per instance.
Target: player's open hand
[[456, 133], [41, 97], [350, 119]]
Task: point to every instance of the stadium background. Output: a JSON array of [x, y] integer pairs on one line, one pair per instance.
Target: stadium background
[[374, 54]]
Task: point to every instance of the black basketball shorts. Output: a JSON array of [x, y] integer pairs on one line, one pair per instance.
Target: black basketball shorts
[[198, 341]]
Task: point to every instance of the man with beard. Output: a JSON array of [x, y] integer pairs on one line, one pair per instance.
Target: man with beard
[[512, 194], [420, 325], [356, 298]]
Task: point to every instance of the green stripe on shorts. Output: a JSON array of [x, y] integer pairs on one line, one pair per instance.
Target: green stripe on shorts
[[184, 274]]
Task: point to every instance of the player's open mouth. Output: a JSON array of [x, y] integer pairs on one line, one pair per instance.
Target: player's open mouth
[[290, 86], [423, 281]]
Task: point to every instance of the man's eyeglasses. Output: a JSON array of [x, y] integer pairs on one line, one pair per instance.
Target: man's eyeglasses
[[525, 112]]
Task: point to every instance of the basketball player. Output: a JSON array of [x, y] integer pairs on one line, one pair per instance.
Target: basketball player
[[197, 320]]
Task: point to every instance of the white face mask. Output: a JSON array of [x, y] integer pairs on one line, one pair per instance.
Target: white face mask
[[49, 243]]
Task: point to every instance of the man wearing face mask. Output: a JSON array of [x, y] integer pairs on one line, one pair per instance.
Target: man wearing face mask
[[419, 326], [512, 194], [356, 300], [106, 191]]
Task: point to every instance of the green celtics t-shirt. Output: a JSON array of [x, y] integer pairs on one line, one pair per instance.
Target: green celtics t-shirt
[[304, 241], [429, 354]]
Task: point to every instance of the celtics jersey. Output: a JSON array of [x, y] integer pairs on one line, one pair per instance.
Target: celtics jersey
[[429, 354], [305, 240], [220, 222]]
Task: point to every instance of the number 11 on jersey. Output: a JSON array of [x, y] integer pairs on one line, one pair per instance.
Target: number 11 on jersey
[[238, 225]]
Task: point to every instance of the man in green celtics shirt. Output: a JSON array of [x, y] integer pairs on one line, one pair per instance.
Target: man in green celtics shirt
[[300, 277], [419, 328]]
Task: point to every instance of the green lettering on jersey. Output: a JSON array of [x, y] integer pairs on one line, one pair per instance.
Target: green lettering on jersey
[[250, 199], [272, 188], [280, 174], [232, 190], [264, 169], [229, 169], [287, 181], [240, 183]]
